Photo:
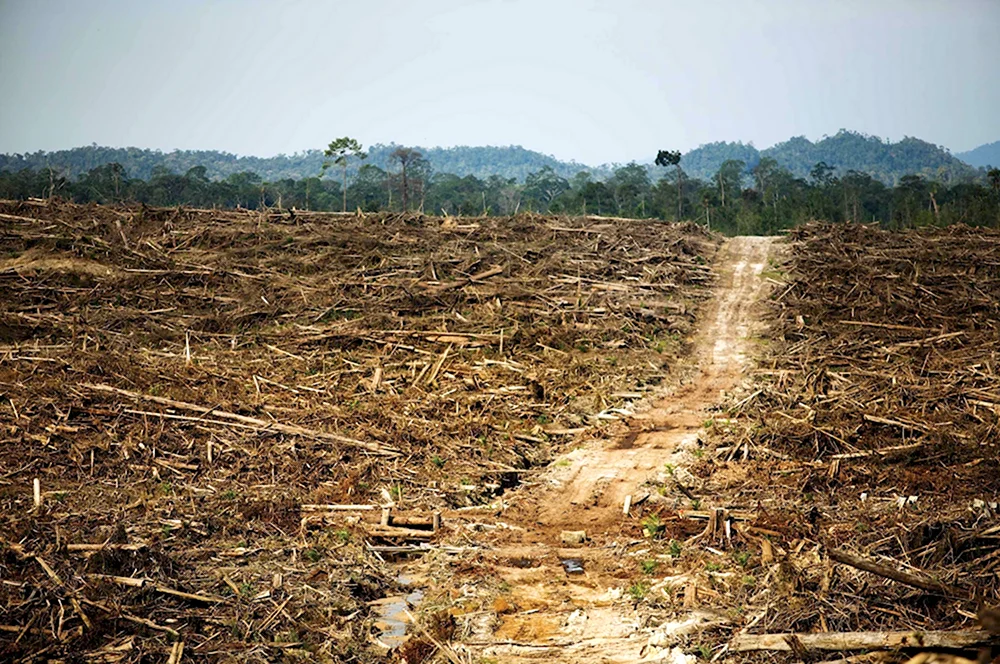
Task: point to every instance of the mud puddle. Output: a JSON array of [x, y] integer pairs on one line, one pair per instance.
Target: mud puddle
[[395, 614]]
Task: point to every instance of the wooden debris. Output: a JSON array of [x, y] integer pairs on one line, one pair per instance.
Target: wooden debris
[[203, 382], [917, 581], [864, 640], [394, 532], [873, 425], [253, 421]]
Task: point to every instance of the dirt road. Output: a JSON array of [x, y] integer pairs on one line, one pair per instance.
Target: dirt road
[[547, 614]]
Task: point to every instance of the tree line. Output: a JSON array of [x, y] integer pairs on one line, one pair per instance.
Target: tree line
[[763, 199], [846, 150]]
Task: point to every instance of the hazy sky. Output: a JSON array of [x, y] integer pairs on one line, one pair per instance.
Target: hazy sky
[[596, 81]]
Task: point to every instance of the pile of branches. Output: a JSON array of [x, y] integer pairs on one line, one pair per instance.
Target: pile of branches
[[873, 443], [179, 389]]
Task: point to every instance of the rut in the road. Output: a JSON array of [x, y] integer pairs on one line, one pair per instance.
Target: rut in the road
[[585, 618]]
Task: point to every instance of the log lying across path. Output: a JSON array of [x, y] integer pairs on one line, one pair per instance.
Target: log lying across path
[[863, 640]]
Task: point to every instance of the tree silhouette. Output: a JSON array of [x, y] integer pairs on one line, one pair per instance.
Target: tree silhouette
[[672, 158], [343, 149], [405, 157]]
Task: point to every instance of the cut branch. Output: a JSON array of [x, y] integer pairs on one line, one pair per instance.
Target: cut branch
[[864, 640], [263, 424], [906, 578]]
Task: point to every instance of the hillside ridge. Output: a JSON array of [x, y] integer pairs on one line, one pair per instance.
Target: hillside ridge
[[844, 151]]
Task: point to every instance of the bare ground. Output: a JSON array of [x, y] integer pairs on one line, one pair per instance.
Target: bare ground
[[540, 611], [184, 394]]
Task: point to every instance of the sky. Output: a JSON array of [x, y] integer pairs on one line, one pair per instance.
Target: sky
[[592, 80]]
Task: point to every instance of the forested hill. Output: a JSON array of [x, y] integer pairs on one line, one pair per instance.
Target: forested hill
[[508, 162], [844, 151], [984, 156]]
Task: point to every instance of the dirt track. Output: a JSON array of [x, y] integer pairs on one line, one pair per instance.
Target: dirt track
[[584, 618]]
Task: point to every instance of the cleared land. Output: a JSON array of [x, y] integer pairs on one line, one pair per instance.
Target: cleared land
[[773, 449], [841, 498], [872, 443], [194, 390]]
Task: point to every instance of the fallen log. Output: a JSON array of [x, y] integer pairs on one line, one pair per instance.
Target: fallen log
[[459, 283], [864, 640], [906, 578], [398, 533], [263, 424], [338, 508]]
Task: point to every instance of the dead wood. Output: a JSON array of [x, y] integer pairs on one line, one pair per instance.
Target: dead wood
[[871, 429], [864, 640], [917, 581], [262, 424], [215, 402]]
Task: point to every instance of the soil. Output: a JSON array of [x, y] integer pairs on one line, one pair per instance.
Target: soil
[[215, 407], [191, 390], [551, 615]]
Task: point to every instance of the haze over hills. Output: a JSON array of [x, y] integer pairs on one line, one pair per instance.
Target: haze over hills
[[844, 151], [985, 156], [481, 161]]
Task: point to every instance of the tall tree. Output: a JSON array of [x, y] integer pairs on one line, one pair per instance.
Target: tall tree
[[729, 177], [672, 158], [343, 149], [630, 186], [369, 188], [544, 186], [405, 157], [993, 175]]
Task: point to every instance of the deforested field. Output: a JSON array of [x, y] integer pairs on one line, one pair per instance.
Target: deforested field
[[188, 398], [868, 445], [262, 436]]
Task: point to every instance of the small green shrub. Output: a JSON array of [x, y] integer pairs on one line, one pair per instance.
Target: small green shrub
[[638, 590]]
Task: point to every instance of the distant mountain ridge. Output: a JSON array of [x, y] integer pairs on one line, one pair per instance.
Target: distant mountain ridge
[[985, 156], [511, 161], [844, 151]]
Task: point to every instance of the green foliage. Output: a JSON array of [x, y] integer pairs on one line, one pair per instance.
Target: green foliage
[[342, 150], [638, 590], [649, 566], [674, 549], [731, 187], [631, 190], [543, 187], [668, 158], [652, 526], [844, 151]]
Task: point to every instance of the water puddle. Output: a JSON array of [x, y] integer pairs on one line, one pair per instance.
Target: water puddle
[[573, 566], [394, 614]]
